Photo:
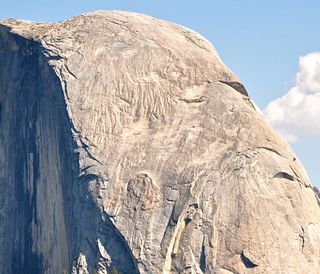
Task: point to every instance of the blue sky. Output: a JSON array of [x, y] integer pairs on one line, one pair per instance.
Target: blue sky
[[261, 41]]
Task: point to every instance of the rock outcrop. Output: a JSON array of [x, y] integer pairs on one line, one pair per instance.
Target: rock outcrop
[[127, 146]]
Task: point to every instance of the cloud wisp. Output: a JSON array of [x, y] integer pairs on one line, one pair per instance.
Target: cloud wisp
[[298, 111]]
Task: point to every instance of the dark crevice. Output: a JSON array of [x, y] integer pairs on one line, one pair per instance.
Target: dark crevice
[[316, 194], [203, 264], [237, 86], [284, 175], [86, 148], [246, 261], [301, 235]]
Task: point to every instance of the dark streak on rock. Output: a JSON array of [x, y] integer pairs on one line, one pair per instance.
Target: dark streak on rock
[[301, 235], [22, 128], [203, 264]]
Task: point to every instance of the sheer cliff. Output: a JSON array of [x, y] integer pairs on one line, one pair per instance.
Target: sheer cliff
[[127, 146]]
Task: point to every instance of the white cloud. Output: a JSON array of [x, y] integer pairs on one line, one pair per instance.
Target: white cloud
[[298, 111]]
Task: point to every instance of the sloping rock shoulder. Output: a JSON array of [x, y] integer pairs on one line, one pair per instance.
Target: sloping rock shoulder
[[127, 146]]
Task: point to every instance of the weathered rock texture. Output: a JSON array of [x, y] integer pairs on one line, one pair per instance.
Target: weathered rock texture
[[127, 146]]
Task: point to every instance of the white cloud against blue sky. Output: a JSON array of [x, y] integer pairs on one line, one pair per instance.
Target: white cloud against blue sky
[[298, 111]]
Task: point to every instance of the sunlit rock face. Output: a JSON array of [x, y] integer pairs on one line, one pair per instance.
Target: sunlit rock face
[[127, 146]]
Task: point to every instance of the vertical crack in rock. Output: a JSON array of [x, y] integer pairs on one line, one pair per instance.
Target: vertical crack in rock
[[203, 257], [302, 237]]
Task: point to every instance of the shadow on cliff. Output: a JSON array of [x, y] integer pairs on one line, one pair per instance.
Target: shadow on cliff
[[49, 214]]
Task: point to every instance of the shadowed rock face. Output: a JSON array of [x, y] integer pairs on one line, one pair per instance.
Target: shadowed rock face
[[127, 146]]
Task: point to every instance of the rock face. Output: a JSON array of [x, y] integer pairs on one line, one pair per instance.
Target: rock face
[[127, 146]]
